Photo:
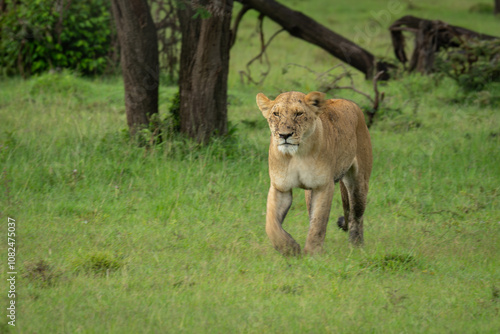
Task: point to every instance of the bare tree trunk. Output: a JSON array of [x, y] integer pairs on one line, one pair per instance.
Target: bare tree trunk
[[303, 27], [204, 68], [139, 59], [496, 11]]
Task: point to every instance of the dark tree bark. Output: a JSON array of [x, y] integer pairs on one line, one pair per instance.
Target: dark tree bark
[[204, 68], [139, 59], [430, 36], [303, 27], [496, 10]]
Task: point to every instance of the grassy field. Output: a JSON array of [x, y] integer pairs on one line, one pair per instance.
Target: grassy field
[[114, 238]]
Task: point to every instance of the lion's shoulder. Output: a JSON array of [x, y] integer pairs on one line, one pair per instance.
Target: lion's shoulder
[[341, 112], [340, 105]]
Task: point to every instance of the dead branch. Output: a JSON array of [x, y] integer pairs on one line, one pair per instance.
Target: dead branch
[[378, 98], [236, 24], [262, 55], [375, 89]]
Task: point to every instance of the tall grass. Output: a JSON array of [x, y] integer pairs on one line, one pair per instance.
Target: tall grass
[[115, 238]]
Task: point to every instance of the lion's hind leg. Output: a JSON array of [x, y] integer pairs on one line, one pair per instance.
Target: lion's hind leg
[[342, 222], [356, 188]]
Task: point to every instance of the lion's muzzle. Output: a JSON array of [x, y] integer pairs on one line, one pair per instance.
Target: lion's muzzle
[[287, 144]]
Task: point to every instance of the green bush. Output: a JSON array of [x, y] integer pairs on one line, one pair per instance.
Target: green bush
[[64, 83], [473, 66], [175, 112], [39, 35]]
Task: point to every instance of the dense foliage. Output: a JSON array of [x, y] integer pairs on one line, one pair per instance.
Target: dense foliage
[[40, 35]]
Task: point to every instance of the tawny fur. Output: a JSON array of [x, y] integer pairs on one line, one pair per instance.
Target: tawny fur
[[315, 143]]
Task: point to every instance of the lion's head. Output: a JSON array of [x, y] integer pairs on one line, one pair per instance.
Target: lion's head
[[292, 118]]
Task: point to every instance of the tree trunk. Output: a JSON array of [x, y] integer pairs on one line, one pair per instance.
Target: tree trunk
[[496, 10], [204, 68], [303, 27], [139, 59]]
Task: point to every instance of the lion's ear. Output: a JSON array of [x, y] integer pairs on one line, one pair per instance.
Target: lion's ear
[[264, 104], [315, 99]]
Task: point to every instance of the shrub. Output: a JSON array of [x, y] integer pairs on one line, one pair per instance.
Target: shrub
[[39, 35], [63, 83], [175, 112], [474, 65]]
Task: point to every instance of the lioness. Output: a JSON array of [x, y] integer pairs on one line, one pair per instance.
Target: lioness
[[314, 144]]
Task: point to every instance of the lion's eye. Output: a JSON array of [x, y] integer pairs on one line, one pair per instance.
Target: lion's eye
[[298, 114], [276, 113]]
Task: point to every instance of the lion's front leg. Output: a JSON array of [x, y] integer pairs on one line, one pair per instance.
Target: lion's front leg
[[278, 204], [319, 202]]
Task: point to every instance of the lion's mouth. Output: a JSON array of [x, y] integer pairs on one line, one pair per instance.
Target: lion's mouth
[[288, 148], [287, 142]]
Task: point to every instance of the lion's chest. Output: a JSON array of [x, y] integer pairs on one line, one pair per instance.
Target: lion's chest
[[299, 173]]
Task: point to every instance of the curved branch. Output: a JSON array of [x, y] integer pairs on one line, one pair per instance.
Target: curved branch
[[236, 24], [262, 53]]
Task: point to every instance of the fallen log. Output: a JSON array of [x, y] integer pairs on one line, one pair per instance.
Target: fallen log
[[430, 37], [307, 29]]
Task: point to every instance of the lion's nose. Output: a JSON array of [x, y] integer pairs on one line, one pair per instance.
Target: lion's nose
[[285, 136]]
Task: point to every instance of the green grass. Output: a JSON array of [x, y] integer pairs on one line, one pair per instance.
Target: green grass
[[114, 238]]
